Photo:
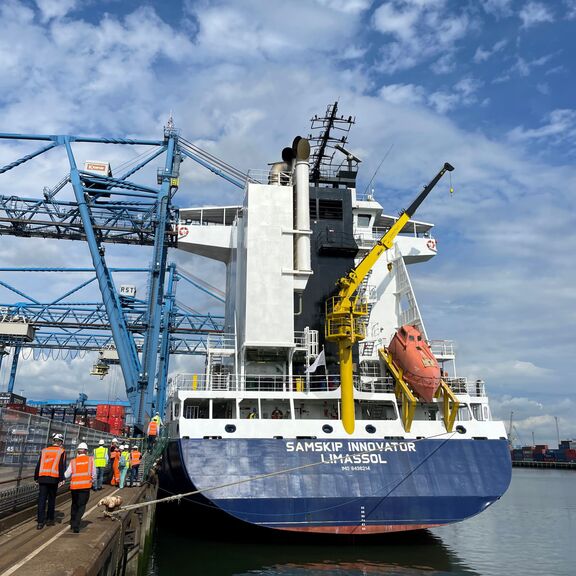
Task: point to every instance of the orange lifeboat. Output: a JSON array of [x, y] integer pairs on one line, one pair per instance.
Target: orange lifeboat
[[413, 356]]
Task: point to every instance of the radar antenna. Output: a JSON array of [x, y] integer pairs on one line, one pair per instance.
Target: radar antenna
[[324, 143]]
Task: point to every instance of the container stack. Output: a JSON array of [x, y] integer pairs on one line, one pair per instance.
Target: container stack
[[114, 416]]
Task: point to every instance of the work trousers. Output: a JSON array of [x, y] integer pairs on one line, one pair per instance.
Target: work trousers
[[46, 495], [123, 472], [79, 501], [133, 477], [99, 477]]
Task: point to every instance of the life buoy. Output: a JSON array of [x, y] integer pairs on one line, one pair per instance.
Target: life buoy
[[182, 231], [431, 244]]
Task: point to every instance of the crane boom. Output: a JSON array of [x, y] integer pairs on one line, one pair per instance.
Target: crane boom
[[346, 314]]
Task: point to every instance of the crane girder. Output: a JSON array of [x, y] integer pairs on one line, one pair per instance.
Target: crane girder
[[119, 223], [108, 209]]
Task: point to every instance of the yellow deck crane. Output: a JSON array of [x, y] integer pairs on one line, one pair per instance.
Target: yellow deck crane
[[347, 314]]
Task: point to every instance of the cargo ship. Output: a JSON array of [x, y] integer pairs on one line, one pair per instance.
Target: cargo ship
[[303, 417]]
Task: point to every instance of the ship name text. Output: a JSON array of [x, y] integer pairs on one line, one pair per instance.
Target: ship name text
[[328, 446]]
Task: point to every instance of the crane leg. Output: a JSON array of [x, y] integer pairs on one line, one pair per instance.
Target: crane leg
[[347, 386]]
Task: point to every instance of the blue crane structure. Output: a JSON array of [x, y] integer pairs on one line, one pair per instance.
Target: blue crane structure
[[108, 209]]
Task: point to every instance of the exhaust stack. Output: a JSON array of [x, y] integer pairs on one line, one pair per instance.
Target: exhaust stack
[[301, 176]]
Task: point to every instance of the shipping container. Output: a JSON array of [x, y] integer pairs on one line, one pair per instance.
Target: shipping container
[[23, 408], [97, 425]]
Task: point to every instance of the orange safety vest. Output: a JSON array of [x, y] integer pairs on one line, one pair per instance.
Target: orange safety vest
[[50, 461], [135, 457], [82, 467], [153, 428]]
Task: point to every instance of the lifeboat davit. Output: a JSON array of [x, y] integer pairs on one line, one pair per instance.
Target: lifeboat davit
[[420, 369]]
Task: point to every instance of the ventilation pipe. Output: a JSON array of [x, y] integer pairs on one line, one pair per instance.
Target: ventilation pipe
[[301, 152]]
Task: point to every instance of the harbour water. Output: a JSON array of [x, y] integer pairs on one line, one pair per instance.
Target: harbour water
[[530, 531]]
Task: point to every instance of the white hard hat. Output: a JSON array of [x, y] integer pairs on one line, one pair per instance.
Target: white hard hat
[[82, 446], [58, 437], [101, 442], [134, 447], [115, 440]]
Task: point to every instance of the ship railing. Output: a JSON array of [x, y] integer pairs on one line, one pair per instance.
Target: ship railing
[[269, 177], [222, 341], [381, 385], [225, 382], [22, 437], [442, 348], [212, 216], [369, 237], [268, 383], [462, 386], [307, 340]]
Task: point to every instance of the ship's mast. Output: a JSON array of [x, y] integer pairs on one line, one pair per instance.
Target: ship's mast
[[324, 144]]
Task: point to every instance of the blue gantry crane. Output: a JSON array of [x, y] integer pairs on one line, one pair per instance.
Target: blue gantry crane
[[107, 209]]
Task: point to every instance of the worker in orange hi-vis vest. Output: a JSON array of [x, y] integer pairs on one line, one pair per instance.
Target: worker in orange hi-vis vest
[[135, 459], [115, 459], [49, 474], [152, 432], [82, 474]]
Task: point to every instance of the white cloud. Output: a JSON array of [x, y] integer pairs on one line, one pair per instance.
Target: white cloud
[[570, 9], [230, 32], [482, 55], [50, 9], [498, 8], [462, 94], [419, 31], [346, 6], [524, 68], [402, 93], [535, 13], [560, 126]]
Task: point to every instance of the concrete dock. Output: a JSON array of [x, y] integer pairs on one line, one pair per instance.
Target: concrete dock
[[105, 546]]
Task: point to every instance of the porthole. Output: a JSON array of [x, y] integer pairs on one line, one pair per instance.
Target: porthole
[[327, 429], [370, 429], [230, 428]]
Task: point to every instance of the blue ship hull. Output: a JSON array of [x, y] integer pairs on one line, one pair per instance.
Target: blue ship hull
[[343, 486]]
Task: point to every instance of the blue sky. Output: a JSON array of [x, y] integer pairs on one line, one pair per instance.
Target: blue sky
[[487, 85]]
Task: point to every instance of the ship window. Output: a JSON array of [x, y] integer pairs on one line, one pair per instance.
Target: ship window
[[411, 338], [370, 429], [223, 409], [316, 410], [476, 411], [176, 409], [276, 409], [195, 408], [327, 429], [230, 428], [463, 413], [419, 338], [377, 410], [363, 220]]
